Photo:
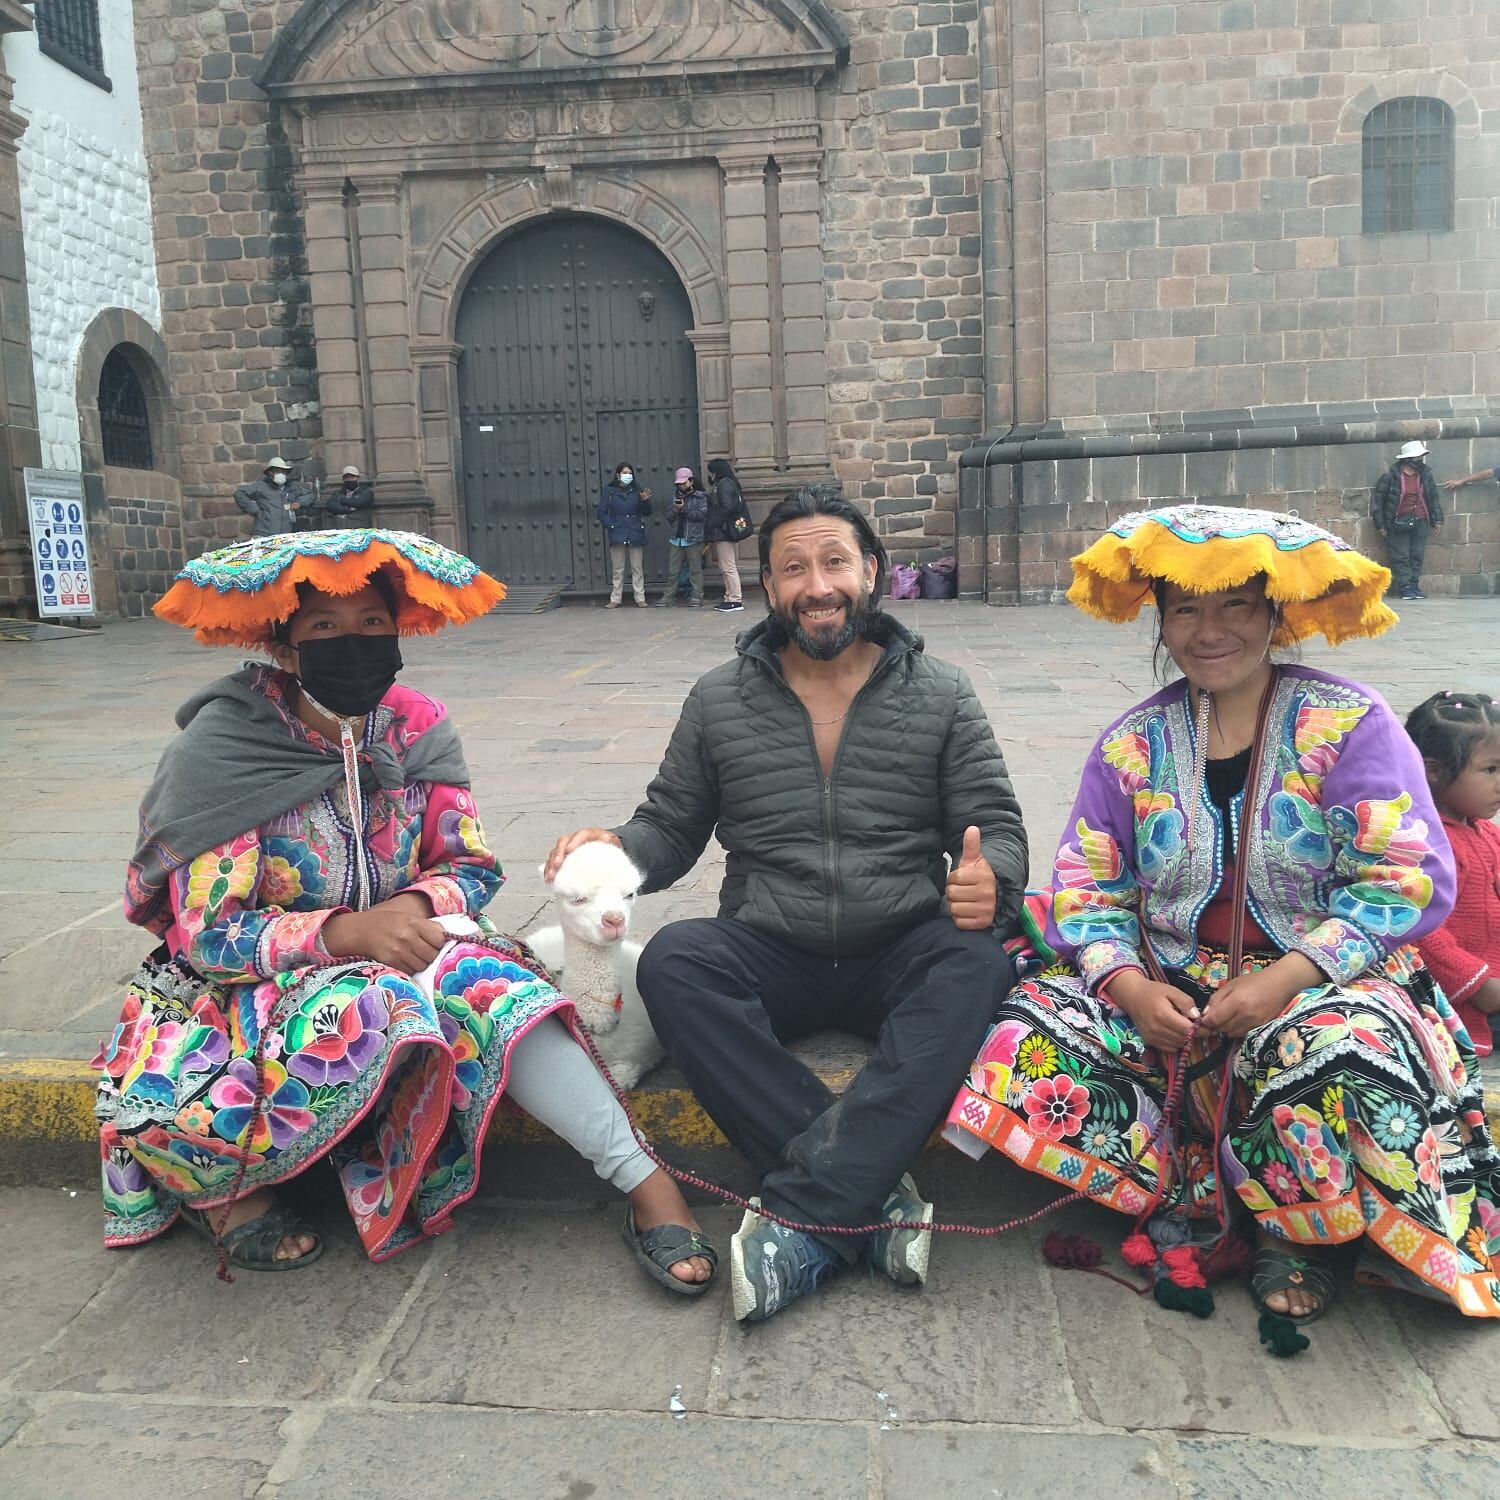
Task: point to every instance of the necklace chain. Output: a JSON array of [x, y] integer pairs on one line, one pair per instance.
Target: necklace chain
[[824, 723]]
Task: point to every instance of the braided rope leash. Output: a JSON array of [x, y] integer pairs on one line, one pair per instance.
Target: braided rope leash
[[1169, 1115]]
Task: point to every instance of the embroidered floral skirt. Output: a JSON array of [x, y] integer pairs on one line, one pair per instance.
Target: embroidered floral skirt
[[395, 1079], [1358, 1111]]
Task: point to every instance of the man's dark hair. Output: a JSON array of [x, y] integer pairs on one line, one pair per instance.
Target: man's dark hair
[[803, 505]]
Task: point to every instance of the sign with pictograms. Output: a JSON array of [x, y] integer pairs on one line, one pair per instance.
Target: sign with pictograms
[[59, 542]]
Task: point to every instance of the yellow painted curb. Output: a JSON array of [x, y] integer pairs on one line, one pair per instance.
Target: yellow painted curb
[[51, 1100]]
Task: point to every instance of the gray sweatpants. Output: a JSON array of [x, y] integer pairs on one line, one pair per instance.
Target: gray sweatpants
[[553, 1080]]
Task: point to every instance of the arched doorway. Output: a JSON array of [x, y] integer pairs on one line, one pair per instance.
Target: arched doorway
[[575, 357]]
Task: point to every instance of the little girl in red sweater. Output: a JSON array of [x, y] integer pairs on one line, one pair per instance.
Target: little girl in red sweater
[[1458, 735]]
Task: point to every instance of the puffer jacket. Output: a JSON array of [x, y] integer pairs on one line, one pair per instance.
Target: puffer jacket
[[726, 502], [1386, 496], [687, 523], [623, 513], [844, 864]]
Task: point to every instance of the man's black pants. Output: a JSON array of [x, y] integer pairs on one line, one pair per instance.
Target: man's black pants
[[725, 998]]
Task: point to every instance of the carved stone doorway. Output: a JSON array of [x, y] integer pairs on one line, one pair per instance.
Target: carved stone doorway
[[575, 357]]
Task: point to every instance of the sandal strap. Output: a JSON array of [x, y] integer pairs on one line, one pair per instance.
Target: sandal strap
[[668, 1244], [1277, 1270], [254, 1243]]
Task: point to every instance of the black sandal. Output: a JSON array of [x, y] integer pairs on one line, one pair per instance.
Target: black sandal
[[659, 1249], [1281, 1270], [252, 1245]]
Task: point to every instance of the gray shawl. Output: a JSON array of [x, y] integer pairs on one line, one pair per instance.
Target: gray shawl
[[237, 765]]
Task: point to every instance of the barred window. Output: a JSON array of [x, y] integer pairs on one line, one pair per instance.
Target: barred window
[[67, 31], [124, 417], [1408, 166]]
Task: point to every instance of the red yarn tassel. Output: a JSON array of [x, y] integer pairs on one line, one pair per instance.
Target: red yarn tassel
[[1231, 1257], [1138, 1250], [1182, 1266], [1072, 1252]]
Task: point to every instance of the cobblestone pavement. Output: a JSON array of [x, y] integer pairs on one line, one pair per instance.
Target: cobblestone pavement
[[523, 1355]]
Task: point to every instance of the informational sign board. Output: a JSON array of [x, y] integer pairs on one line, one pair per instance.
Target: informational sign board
[[59, 543]]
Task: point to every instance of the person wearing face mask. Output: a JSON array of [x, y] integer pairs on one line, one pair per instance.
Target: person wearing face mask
[[1407, 509], [351, 503], [623, 510], [312, 859], [689, 509], [273, 501], [1237, 900]]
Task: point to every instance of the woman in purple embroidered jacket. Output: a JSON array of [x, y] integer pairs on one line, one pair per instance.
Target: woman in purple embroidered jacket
[[1341, 1090], [327, 985]]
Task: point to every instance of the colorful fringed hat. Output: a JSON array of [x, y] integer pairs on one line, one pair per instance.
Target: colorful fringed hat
[[237, 595], [1320, 582]]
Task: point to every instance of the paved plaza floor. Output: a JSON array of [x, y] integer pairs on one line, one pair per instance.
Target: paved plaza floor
[[523, 1355]]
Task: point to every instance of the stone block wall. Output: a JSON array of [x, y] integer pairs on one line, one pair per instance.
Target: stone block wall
[[144, 539], [1044, 508], [1202, 236], [903, 265], [229, 242]]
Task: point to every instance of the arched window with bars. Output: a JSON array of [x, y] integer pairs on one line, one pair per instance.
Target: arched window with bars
[[124, 415], [1407, 178]]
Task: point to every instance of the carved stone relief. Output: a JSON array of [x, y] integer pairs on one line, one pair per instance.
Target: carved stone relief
[[423, 38]]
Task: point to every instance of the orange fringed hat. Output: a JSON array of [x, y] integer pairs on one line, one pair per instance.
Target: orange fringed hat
[[236, 596], [1320, 582]]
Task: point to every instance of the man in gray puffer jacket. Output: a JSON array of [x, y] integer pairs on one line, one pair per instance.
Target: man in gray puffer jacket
[[839, 765]]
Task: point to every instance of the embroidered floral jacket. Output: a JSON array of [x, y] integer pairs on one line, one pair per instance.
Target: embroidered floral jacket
[[1347, 858], [255, 906]]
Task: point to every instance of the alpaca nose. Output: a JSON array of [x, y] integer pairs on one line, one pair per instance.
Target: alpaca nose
[[613, 921]]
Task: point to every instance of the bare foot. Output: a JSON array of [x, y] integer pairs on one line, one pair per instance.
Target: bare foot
[[656, 1202], [291, 1246], [1293, 1302]]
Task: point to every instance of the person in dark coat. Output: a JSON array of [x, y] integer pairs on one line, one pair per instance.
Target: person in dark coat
[[623, 510], [876, 860], [726, 500], [1406, 509], [353, 501], [689, 507], [273, 502]]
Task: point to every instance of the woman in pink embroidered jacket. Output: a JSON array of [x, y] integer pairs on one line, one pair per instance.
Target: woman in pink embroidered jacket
[[327, 985], [1330, 1086]]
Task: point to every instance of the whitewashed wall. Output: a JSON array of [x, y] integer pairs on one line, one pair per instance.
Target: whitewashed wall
[[85, 210]]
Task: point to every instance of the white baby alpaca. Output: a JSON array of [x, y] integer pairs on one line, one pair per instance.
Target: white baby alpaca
[[592, 961]]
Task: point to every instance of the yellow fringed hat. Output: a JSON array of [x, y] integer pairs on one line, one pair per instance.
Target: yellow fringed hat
[[1320, 582], [237, 595]]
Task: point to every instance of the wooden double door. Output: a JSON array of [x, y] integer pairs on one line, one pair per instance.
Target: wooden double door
[[575, 358]]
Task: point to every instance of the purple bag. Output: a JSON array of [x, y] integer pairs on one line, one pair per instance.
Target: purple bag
[[940, 579], [906, 581]]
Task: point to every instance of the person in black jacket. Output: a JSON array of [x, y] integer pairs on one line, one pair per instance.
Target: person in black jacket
[[726, 500], [1406, 508], [351, 503], [876, 859]]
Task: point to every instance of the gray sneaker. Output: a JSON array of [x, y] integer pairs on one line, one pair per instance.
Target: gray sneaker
[[770, 1266], [902, 1253]]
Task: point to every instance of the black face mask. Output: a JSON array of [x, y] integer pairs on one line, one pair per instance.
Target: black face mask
[[349, 674]]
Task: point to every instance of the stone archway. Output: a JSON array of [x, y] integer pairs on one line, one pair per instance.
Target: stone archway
[[427, 129], [134, 514]]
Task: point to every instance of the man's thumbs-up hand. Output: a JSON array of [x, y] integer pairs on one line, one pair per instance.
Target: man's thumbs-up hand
[[971, 887]]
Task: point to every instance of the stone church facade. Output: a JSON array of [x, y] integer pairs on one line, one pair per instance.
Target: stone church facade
[[999, 270]]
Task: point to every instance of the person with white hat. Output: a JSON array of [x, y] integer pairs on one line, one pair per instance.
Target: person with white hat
[[272, 500], [352, 502], [1406, 508]]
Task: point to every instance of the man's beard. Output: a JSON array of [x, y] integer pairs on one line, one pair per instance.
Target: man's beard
[[822, 646]]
